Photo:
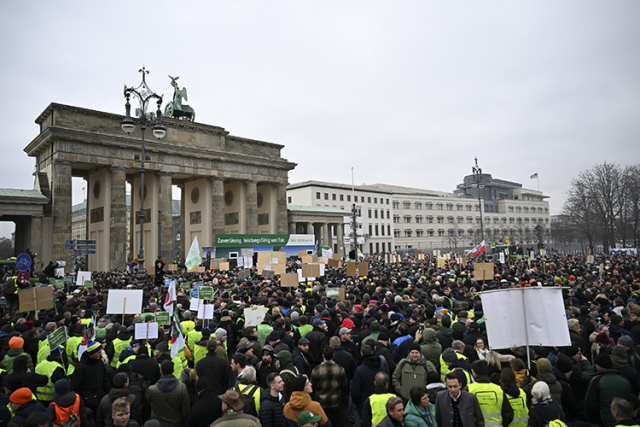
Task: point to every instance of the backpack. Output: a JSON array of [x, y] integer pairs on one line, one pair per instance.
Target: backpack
[[72, 419], [9, 286], [249, 403]]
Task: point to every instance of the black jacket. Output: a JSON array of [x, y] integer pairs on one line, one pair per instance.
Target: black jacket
[[24, 411], [541, 414], [21, 378], [146, 367], [301, 361], [271, 410], [344, 358], [91, 380], [362, 385], [206, 410], [216, 370], [317, 341]]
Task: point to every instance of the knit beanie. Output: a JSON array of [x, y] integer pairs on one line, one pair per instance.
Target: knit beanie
[[21, 396], [62, 386], [16, 342], [297, 384], [540, 391], [543, 365], [415, 346], [604, 361]]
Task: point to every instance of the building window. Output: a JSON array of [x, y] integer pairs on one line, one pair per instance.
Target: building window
[[526, 209], [512, 220], [496, 220], [396, 219], [377, 247], [510, 209], [477, 208], [370, 248], [406, 205], [428, 205], [439, 206], [418, 219], [440, 220], [460, 233], [368, 199], [370, 230], [458, 207], [419, 233], [389, 243], [518, 209], [348, 198], [342, 197], [388, 213], [375, 213], [396, 204], [470, 232], [326, 196], [429, 233], [469, 220], [375, 200], [396, 232], [449, 220], [429, 219], [468, 207], [477, 220], [389, 231], [289, 199], [546, 210], [369, 213], [355, 198], [440, 232], [407, 219], [418, 205], [504, 220], [318, 196], [460, 220], [381, 229], [449, 206]]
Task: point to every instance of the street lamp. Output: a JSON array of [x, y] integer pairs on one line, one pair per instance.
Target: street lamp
[[144, 95], [477, 171]]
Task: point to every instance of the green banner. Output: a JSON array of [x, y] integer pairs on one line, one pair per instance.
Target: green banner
[[57, 283], [163, 318], [185, 285], [88, 283], [278, 241], [58, 337], [206, 292]]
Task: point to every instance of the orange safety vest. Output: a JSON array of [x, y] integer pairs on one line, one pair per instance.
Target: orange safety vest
[[63, 413]]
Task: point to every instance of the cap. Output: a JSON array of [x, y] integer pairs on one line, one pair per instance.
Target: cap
[[344, 331], [303, 341], [307, 417], [318, 322]]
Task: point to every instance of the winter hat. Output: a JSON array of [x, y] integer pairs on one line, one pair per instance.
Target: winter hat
[[163, 346], [152, 423], [298, 384], [540, 391], [93, 347], [186, 315], [564, 364], [604, 361], [626, 341], [571, 351], [347, 323], [602, 338], [220, 333], [449, 355], [481, 368], [273, 336], [619, 351], [383, 336], [16, 342], [21, 396], [414, 346], [62, 386], [543, 365]]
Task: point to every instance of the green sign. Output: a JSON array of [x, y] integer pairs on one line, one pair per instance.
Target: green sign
[[58, 337], [57, 283], [185, 285], [163, 318], [206, 292], [88, 283], [198, 284], [332, 292], [278, 241]]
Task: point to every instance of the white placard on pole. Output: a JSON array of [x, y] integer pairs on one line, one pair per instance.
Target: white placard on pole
[[116, 301], [501, 257], [542, 323], [60, 272], [195, 304], [146, 331], [82, 277], [208, 311], [255, 315], [201, 310]]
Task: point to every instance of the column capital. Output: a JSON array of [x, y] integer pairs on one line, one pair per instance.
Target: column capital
[[118, 168]]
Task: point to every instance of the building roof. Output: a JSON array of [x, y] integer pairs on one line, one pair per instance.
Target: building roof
[[22, 194], [323, 209]]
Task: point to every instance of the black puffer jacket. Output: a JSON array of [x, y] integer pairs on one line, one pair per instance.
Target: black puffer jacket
[[271, 410], [91, 380], [541, 413], [216, 370], [362, 385], [206, 410]]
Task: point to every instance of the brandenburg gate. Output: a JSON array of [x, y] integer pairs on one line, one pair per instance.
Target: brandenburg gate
[[230, 184]]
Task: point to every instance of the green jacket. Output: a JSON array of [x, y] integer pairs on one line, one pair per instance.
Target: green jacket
[[408, 375], [430, 347], [236, 419], [604, 386], [414, 417]]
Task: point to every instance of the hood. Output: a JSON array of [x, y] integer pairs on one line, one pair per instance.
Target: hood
[[547, 377], [116, 393], [514, 391], [167, 383], [300, 400], [20, 364], [412, 409], [447, 332], [284, 357], [429, 336], [372, 361], [374, 327], [13, 352], [124, 335], [462, 363], [619, 361]]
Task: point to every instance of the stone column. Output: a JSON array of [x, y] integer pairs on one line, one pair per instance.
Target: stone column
[[281, 209], [35, 242], [340, 238], [61, 210], [326, 234], [166, 218], [217, 208], [118, 224], [292, 228], [184, 241], [252, 207], [132, 225], [310, 228]]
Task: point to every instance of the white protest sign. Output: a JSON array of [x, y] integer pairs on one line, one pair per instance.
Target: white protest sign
[[201, 310], [501, 257], [254, 316], [60, 272], [514, 314], [240, 261], [127, 301], [248, 262], [195, 304], [146, 331], [82, 277], [208, 311]]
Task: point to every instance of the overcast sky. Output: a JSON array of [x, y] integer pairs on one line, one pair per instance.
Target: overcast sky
[[407, 92]]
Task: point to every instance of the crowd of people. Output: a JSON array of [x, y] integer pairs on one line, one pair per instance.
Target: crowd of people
[[406, 345]]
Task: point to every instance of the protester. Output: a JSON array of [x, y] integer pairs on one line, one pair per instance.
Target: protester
[[456, 407], [169, 398]]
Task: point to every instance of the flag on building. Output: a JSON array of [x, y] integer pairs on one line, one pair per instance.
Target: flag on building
[[479, 249], [170, 300], [193, 258], [534, 176]]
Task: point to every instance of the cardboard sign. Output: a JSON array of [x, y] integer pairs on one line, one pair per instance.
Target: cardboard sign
[[60, 272], [247, 252], [302, 254], [82, 277], [363, 269], [334, 263], [205, 292], [483, 271], [309, 259], [311, 270], [421, 257], [195, 304], [172, 267], [146, 331], [289, 279], [590, 259], [163, 318], [223, 266], [57, 337], [127, 301], [502, 258], [274, 261], [255, 315], [337, 293], [32, 299], [243, 274], [268, 274]]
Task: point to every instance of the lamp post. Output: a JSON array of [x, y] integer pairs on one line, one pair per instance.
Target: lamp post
[[144, 95], [477, 171]]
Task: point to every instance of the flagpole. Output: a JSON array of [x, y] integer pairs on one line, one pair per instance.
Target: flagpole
[[538, 179]]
